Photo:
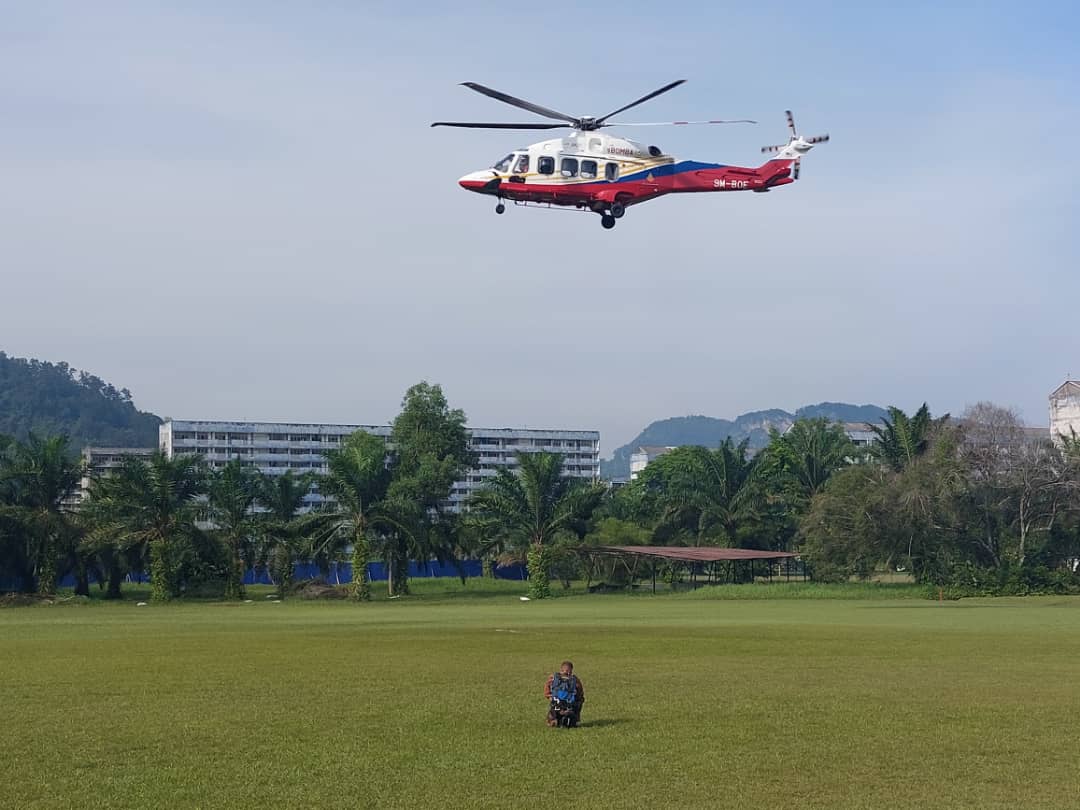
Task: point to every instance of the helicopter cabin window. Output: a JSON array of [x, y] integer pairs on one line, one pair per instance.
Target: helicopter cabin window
[[588, 169], [611, 171], [504, 164], [546, 165], [569, 167], [522, 164]]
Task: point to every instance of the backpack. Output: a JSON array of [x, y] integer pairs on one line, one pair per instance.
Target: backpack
[[564, 688]]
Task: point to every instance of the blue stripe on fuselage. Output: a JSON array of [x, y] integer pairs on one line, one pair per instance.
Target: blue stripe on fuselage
[[668, 169]]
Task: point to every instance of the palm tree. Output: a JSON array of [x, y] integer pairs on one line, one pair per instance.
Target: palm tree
[[36, 476], [704, 490], [900, 438], [357, 480], [804, 458], [284, 530], [148, 508], [233, 491], [529, 509]]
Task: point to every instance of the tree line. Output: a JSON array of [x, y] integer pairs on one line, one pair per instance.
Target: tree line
[[974, 505]]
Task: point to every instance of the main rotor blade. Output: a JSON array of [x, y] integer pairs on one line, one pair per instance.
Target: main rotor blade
[[791, 123], [677, 123], [474, 125], [641, 100], [517, 102]]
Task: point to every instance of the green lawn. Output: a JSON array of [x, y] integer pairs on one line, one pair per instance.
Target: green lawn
[[437, 702]]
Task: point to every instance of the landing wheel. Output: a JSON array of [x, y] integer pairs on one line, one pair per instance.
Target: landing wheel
[[608, 221], [617, 210], [500, 209]]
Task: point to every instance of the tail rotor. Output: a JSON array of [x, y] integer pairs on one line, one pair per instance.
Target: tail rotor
[[796, 147]]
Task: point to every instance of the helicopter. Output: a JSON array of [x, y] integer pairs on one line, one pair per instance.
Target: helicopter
[[591, 171]]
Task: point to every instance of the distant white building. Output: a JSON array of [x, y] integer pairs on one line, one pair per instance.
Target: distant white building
[[860, 434], [1065, 410], [645, 455], [101, 461], [274, 447]]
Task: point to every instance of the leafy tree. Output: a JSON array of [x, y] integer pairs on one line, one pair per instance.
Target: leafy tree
[[431, 452], [358, 479], [1019, 485], [529, 509], [233, 492], [147, 508], [840, 535], [612, 531]]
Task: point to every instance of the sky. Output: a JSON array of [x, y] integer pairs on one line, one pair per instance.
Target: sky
[[238, 210]]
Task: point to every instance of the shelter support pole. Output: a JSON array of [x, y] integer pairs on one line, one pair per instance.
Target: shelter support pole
[[654, 575]]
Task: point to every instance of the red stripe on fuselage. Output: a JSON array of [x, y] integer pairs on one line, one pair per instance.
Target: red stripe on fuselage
[[630, 192]]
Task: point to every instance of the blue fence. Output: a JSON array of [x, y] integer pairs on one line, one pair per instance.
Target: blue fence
[[339, 573]]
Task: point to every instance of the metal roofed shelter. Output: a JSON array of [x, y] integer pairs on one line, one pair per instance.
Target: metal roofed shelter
[[716, 565]]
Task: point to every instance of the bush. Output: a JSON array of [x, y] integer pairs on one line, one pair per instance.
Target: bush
[[1009, 580]]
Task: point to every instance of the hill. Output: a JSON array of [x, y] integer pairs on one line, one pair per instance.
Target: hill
[[710, 431], [49, 398]]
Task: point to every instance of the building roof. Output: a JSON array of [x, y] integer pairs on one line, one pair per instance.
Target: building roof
[[119, 451], [242, 426], [653, 449], [1067, 387]]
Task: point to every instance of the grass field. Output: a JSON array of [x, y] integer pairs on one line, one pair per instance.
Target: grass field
[[436, 701]]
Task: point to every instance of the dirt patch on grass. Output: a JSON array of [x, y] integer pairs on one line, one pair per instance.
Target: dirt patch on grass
[[25, 600], [317, 589]]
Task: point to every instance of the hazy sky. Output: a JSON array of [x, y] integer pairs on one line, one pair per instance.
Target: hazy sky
[[238, 210]]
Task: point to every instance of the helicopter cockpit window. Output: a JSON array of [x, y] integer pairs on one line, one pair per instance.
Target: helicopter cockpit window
[[588, 169], [504, 164], [569, 167], [546, 165], [611, 171], [522, 164]]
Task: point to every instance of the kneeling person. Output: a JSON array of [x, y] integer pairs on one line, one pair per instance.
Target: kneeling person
[[566, 695]]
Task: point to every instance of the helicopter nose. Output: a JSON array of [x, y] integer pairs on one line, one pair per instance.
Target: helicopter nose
[[475, 181]]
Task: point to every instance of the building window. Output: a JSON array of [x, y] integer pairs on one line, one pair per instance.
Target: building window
[[588, 169], [569, 167], [546, 165], [611, 171]]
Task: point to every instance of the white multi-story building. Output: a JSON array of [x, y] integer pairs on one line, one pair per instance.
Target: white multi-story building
[[98, 462], [644, 456], [274, 447], [1065, 410]]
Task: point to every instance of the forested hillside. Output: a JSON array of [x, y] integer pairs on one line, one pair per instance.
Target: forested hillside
[[53, 398]]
